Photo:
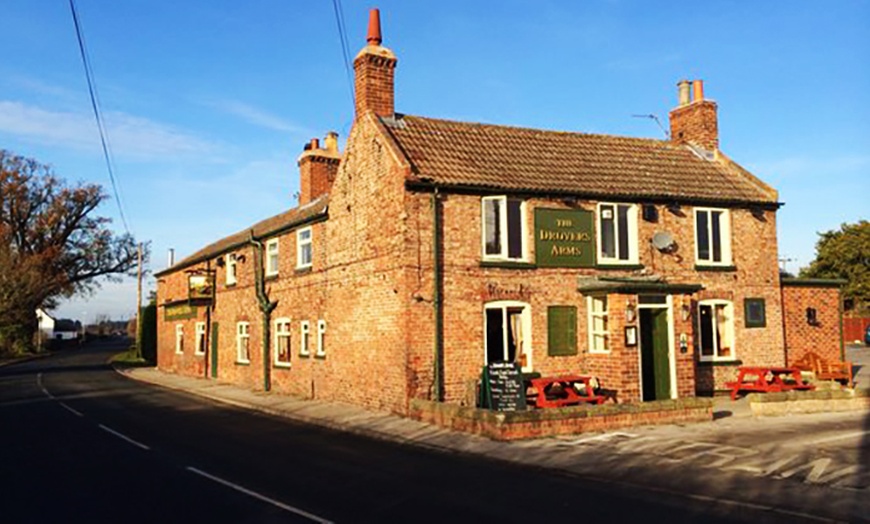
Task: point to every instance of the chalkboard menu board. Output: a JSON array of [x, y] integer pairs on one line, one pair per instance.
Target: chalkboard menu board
[[502, 388]]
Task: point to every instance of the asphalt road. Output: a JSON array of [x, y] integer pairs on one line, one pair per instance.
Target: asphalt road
[[80, 443]]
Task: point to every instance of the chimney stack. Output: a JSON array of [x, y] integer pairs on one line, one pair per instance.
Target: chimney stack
[[374, 68], [695, 120], [318, 167]]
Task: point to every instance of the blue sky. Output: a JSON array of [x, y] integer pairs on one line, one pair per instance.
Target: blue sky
[[208, 103]]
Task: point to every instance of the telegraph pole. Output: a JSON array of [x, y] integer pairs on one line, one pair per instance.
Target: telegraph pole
[[139, 303]]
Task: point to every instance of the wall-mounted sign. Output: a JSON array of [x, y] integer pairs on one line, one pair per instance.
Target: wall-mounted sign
[[201, 286], [180, 311], [564, 238]]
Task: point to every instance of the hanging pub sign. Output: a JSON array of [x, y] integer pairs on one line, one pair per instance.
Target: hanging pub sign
[[200, 286], [564, 238]]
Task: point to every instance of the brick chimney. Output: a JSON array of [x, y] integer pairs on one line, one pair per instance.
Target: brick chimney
[[318, 167], [374, 68], [694, 120]]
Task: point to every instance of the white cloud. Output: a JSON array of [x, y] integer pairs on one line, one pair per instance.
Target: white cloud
[[128, 135], [258, 117]]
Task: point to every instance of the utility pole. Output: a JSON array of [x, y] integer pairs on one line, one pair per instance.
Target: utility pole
[[139, 303]]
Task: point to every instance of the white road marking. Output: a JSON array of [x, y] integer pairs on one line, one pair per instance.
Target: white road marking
[[256, 495], [124, 437], [39, 381], [837, 437], [71, 410], [601, 438]]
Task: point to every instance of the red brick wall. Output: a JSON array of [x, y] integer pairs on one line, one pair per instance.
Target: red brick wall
[[374, 73], [696, 123], [823, 338], [317, 170]]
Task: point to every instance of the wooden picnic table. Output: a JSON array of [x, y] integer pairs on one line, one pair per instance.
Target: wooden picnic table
[[564, 390], [767, 379]]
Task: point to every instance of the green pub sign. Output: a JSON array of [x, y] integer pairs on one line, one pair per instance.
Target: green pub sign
[[564, 238], [181, 311]]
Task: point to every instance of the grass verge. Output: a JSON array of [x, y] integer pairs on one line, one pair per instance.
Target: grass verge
[[129, 359]]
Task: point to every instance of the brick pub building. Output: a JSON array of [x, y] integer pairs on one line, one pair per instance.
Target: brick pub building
[[428, 248]]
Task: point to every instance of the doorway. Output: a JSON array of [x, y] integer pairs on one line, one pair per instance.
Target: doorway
[[655, 361]]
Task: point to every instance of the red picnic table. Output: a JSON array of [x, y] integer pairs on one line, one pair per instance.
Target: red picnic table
[[564, 390], [767, 379]]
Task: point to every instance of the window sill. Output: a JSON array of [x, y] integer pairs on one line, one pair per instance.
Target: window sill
[[302, 270], [198, 354], [592, 352], [716, 363], [231, 285], [507, 264], [305, 355], [707, 267], [273, 276], [624, 267], [321, 356], [282, 365], [243, 363]]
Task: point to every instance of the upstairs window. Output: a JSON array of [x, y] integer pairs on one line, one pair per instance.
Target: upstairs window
[[199, 349], [504, 228], [272, 257], [716, 328], [712, 237], [231, 269], [303, 248], [617, 234]]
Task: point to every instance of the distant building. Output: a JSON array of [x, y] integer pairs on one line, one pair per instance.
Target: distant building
[[57, 329]]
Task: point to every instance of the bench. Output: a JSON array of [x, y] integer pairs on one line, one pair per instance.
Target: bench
[[565, 390], [824, 369], [767, 379]]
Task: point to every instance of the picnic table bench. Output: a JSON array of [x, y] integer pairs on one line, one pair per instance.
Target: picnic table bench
[[563, 390], [767, 379], [824, 369]]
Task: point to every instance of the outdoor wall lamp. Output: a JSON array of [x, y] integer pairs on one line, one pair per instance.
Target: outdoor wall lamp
[[685, 312], [630, 313]]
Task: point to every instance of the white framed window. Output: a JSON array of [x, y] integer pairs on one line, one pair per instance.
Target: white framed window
[[272, 257], [179, 338], [304, 338], [199, 348], [303, 248], [321, 338], [617, 234], [231, 268], [599, 335], [508, 332], [282, 342], [243, 342], [503, 228], [712, 237], [716, 330]]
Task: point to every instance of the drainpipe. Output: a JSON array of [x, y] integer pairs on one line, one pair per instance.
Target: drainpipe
[[437, 298], [266, 307], [207, 353]]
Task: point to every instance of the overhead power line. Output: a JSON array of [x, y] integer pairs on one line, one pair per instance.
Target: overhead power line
[[342, 35], [92, 90]]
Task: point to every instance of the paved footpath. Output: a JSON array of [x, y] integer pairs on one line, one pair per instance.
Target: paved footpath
[[782, 464]]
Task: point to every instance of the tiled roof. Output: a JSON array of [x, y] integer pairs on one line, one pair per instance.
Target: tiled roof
[[265, 228], [491, 157]]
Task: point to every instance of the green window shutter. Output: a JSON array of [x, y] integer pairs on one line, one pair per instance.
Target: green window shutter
[[561, 330]]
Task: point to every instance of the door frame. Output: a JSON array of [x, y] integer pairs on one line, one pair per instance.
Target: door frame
[[672, 361]]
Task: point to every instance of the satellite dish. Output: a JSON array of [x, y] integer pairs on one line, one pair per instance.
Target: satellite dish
[[663, 241]]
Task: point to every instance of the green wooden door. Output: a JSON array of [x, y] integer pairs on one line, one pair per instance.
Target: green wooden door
[[661, 357], [214, 349]]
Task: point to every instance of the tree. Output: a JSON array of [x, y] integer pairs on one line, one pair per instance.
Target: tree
[[845, 254], [51, 245]]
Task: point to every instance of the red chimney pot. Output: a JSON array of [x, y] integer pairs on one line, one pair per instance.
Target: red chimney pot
[[374, 36]]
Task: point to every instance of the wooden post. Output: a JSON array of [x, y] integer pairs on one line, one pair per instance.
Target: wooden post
[[139, 303]]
